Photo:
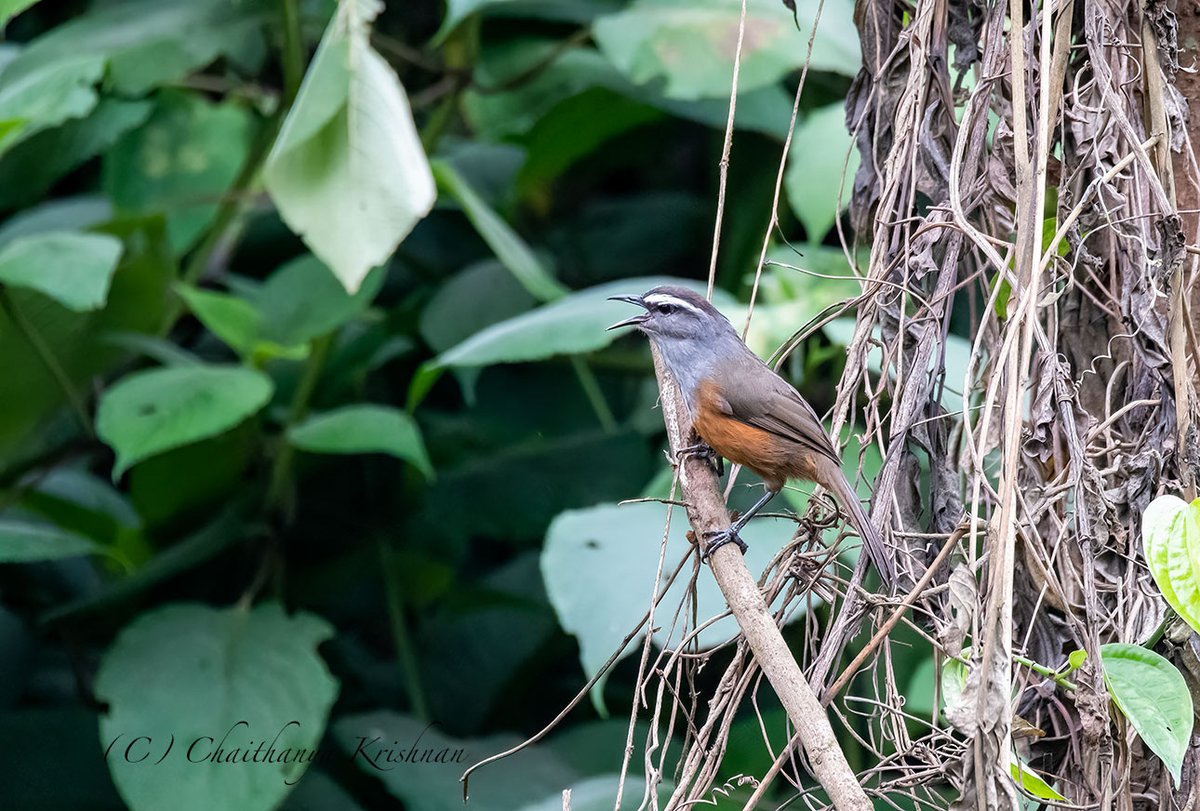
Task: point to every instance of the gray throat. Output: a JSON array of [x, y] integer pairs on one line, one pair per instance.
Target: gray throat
[[692, 360]]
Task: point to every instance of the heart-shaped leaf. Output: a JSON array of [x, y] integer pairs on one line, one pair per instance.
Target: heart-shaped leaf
[[1152, 694], [364, 429], [153, 411], [226, 683]]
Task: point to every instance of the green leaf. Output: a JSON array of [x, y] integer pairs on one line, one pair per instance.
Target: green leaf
[[364, 429], [691, 45], [140, 44], [599, 567], [573, 324], [229, 677], [479, 637], [571, 131], [21, 542], [11, 8], [1031, 782], [74, 269], [301, 301], [136, 301], [595, 794], [304, 300], [1171, 540], [539, 472], [814, 180], [459, 10], [509, 248], [527, 777], [184, 554], [576, 323], [1153, 695], [46, 97], [1076, 659], [574, 11], [152, 411], [347, 172], [477, 297], [62, 214], [233, 320], [29, 169], [180, 163]]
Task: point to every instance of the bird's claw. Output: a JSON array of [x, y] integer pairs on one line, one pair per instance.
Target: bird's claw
[[702, 450], [719, 538]]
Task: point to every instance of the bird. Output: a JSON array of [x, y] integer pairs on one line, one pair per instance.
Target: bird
[[743, 411]]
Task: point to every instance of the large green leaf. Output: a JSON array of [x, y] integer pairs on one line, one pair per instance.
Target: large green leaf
[[74, 269], [1153, 695], [21, 542], [576, 323], [1171, 536], [242, 680], [347, 171], [817, 187], [149, 412], [572, 324], [691, 45], [364, 429], [145, 43], [509, 248], [45, 97], [599, 566], [180, 162]]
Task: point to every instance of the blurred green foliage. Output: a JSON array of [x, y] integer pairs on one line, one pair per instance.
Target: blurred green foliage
[[247, 366]]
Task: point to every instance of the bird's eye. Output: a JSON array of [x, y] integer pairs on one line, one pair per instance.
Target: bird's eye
[[666, 309]]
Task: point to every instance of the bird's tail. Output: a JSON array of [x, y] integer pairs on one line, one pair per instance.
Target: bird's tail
[[872, 542]]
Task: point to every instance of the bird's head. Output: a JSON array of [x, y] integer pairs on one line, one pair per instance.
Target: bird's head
[[674, 314]]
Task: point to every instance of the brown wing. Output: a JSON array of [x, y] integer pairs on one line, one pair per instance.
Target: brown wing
[[764, 400]]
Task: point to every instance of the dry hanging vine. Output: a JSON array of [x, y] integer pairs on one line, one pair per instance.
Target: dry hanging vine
[[1021, 190]]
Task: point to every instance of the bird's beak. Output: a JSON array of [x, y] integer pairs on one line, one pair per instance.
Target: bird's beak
[[635, 320]]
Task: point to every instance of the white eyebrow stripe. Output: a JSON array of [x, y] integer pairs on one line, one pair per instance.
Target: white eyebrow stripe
[[665, 298]]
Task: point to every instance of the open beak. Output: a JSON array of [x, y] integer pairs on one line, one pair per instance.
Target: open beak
[[635, 320]]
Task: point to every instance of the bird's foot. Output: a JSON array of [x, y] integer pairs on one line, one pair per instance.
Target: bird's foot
[[702, 450], [718, 538]]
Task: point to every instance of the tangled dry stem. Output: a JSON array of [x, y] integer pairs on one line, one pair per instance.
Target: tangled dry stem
[[1024, 191]]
